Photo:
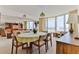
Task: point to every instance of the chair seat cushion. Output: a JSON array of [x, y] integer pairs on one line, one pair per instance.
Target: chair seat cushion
[[20, 44], [40, 43]]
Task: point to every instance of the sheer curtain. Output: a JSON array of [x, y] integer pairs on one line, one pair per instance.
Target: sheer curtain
[[66, 24]]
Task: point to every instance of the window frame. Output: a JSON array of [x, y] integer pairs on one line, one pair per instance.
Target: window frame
[[64, 23]]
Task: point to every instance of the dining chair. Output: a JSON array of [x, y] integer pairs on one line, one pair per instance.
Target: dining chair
[[16, 44], [48, 38], [39, 43]]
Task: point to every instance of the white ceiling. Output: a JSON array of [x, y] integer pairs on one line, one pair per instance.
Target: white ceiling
[[33, 11]]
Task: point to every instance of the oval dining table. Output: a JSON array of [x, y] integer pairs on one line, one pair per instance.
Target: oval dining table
[[29, 38]]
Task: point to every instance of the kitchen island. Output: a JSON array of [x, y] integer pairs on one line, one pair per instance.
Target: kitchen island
[[67, 44]]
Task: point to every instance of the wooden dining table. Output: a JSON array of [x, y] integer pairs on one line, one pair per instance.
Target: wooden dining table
[[29, 38]]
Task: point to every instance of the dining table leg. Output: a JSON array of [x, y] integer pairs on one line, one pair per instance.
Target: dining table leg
[[30, 47], [27, 48]]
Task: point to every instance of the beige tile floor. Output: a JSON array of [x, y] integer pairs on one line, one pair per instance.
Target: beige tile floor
[[5, 47]]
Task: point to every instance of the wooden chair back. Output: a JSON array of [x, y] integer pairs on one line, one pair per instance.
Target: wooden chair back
[[14, 40], [48, 37]]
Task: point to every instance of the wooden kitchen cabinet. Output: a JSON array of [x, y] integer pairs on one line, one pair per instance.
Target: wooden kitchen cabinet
[[67, 44], [59, 48], [64, 48]]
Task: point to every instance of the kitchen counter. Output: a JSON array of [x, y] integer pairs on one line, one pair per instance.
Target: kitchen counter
[[67, 44]]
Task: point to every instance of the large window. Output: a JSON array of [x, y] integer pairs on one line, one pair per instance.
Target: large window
[[30, 24], [60, 23], [50, 24]]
